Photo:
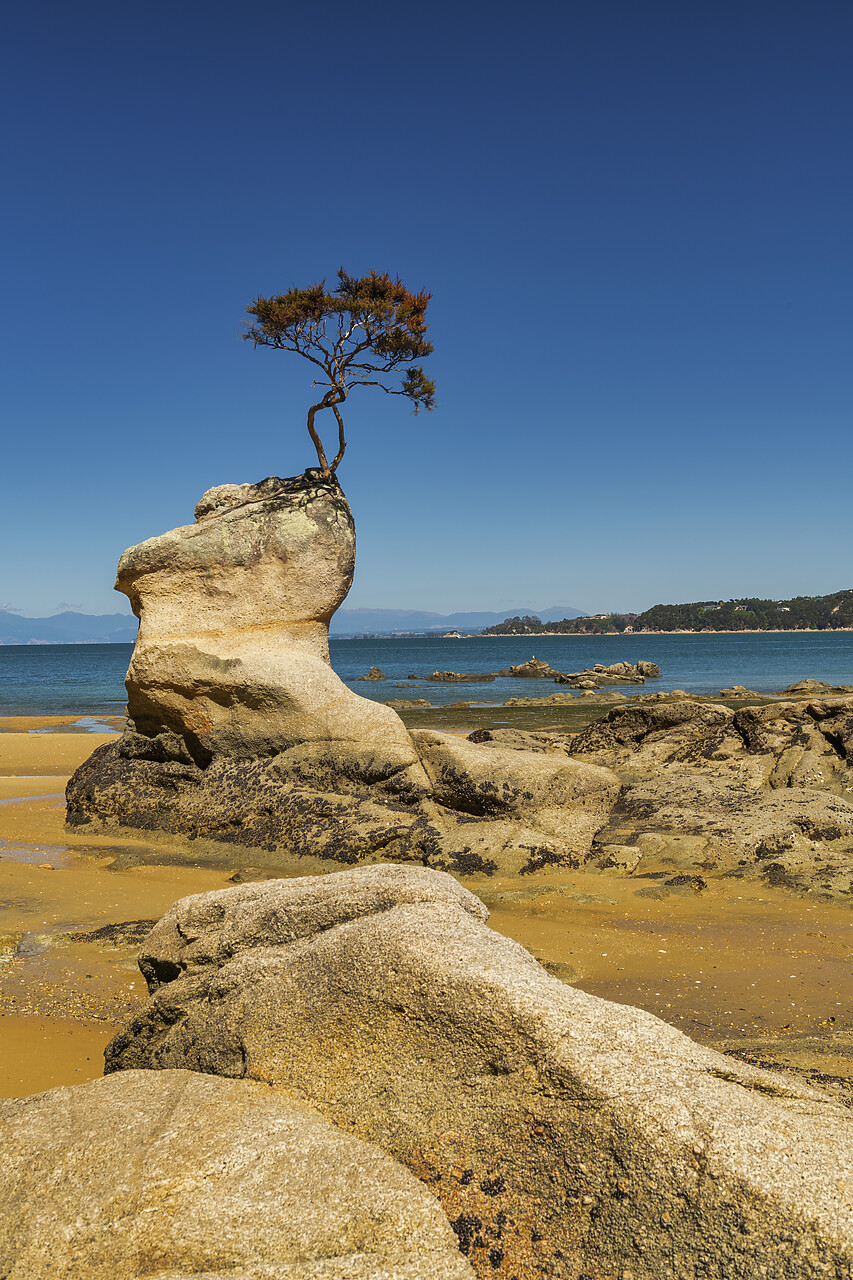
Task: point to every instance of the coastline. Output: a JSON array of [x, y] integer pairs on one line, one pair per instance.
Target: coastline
[[593, 635]]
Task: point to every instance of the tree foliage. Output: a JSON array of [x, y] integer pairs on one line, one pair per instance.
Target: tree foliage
[[516, 626], [359, 334]]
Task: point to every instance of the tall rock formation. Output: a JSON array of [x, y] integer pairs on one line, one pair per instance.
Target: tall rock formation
[[234, 612], [242, 733]]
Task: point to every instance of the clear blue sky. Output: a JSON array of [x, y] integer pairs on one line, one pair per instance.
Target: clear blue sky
[[635, 221]]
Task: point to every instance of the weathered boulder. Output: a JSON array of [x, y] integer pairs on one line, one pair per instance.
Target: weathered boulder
[[564, 1135], [765, 792], [780, 744], [243, 734], [819, 687], [553, 796], [792, 838], [373, 674], [308, 804], [603, 699], [640, 736], [520, 740], [672, 695], [176, 1174]]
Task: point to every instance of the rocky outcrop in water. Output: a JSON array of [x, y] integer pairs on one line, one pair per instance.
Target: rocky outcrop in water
[[242, 733], [563, 1135], [192, 1177], [616, 673], [459, 677], [533, 669]]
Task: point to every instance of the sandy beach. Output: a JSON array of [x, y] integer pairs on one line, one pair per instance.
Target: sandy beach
[[741, 967]]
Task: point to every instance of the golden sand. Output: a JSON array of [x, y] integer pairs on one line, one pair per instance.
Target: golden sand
[[737, 965]]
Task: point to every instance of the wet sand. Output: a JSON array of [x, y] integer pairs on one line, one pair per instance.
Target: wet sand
[[62, 998], [754, 971], [747, 970]]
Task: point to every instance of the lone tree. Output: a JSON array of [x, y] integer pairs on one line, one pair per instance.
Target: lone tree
[[357, 335]]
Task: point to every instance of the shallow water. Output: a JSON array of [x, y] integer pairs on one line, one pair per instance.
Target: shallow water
[[766, 662], [89, 679]]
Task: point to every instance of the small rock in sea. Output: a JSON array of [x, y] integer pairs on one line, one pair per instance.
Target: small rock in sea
[[534, 669], [459, 677], [818, 686], [373, 674]]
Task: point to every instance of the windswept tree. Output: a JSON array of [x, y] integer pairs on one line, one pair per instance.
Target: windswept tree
[[357, 335]]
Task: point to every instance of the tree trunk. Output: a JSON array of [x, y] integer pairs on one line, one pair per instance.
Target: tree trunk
[[342, 444], [318, 444]]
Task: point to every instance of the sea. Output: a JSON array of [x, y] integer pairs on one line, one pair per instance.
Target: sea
[[88, 679]]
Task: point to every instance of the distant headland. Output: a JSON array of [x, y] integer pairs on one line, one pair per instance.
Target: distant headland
[[802, 613]]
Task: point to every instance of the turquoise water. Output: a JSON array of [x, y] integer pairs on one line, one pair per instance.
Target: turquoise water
[[89, 679]]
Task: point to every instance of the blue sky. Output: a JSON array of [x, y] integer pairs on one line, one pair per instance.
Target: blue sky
[[634, 219]]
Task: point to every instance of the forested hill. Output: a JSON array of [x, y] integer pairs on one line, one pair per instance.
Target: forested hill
[[803, 613]]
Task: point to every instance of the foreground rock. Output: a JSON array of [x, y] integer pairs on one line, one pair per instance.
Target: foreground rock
[[175, 1174], [563, 1135], [242, 733]]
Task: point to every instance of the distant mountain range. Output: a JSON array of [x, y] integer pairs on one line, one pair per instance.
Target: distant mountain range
[[120, 628], [384, 622], [68, 628]]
